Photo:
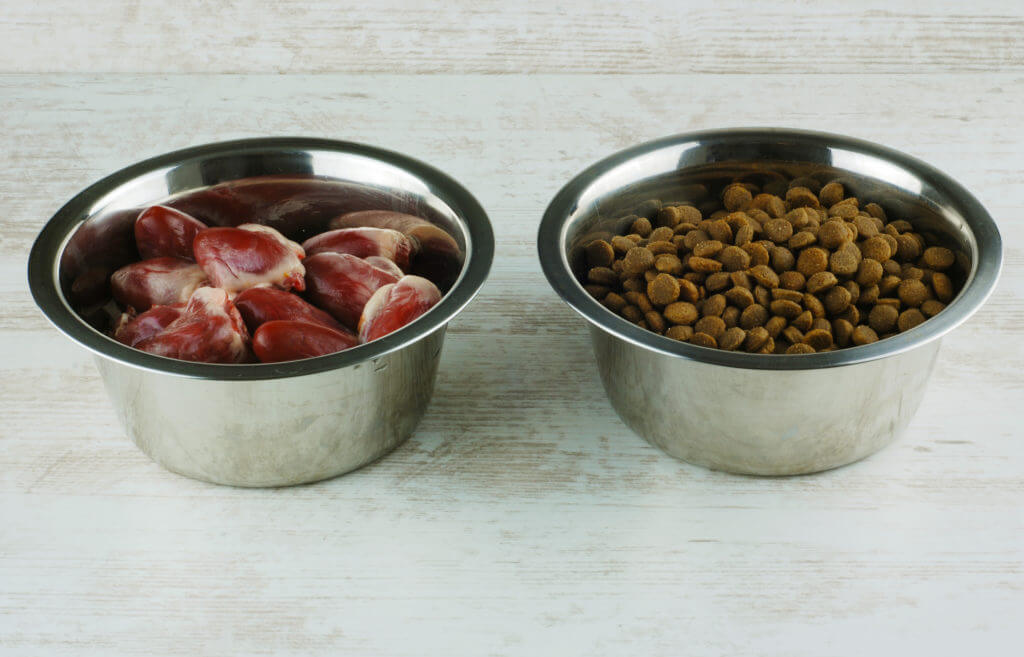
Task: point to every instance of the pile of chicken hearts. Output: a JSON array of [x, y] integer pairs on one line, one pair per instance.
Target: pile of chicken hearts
[[232, 295]]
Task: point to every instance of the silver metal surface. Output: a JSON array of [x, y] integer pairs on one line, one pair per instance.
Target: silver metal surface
[[263, 424], [752, 413]]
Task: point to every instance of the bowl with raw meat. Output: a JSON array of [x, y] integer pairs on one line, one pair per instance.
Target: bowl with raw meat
[[265, 312]]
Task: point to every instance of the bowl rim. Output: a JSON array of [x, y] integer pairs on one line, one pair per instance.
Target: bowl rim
[[981, 281], [44, 262]]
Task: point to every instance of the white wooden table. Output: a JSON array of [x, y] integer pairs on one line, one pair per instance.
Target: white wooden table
[[523, 518]]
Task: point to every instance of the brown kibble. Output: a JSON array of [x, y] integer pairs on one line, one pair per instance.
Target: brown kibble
[[770, 204], [663, 289], [661, 234], [668, 263], [794, 334], [634, 285], [863, 335], [681, 333], [655, 321], [695, 237], [674, 215], [753, 315], [837, 300], [732, 338], [756, 338], [733, 258], [731, 316], [597, 291], [819, 339], [637, 260], [764, 275], [603, 276], [803, 321], [621, 244], [762, 296], [931, 307], [909, 318], [743, 235], [846, 260], [886, 301], [843, 210], [782, 259], [811, 261], [876, 248], [768, 347], [600, 254], [720, 230], [912, 292], [842, 330], [758, 254], [681, 312], [832, 234], [938, 258], [802, 239], [799, 348], [891, 241], [798, 197], [821, 281], [814, 304], [640, 300], [789, 295], [792, 280], [888, 285], [713, 305], [713, 325], [614, 302], [851, 315], [642, 227], [661, 247], [775, 325], [708, 248], [875, 210], [740, 297], [703, 340], [786, 308], [831, 194], [717, 282], [943, 287], [869, 272], [778, 230], [907, 247], [704, 265], [688, 291], [736, 197], [649, 275], [632, 313], [882, 318], [866, 227]]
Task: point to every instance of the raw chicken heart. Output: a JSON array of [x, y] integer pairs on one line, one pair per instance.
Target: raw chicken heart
[[209, 330], [236, 259], [156, 282], [133, 330], [281, 340], [393, 306], [341, 284], [163, 231], [259, 305], [362, 243]]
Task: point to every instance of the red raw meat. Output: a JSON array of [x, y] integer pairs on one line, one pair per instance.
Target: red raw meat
[[389, 266], [259, 305], [393, 306], [236, 259], [156, 282], [133, 329], [209, 330], [362, 243], [341, 284], [281, 340], [163, 231]]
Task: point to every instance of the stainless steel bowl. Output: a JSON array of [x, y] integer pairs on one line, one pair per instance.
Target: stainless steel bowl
[[764, 414], [261, 424]]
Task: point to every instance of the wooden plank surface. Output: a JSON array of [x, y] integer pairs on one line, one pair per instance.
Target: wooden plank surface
[[523, 518]]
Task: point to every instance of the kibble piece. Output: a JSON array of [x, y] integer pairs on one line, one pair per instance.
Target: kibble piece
[[732, 338], [869, 295], [731, 316], [681, 312], [912, 292], [863, 335], [614, 301], [642, 227], [819, 339], [603, 276], [869, 272], [882, 318], [649, 275], [743, 235], [663, 289], [778, 230], [802, 239], [831, 193], [887, 301], [640, 300], [943, 287], [736, 197], [695, 237], [637, 260], [668, 263], [811, 261], [790, 295], [661, 234], [842, 331], [876, 248], [938, 257], [798, 197], [704, 265], [821, 282], [634, 285], [632, 313], [793, 334], [782, 259], [908, 270], [600, 254], [775, 325], [711, 325], [740, 297], [756, 338], [597, 291], [768, 347], [786, 308], [688, 291], [907, 248], [799, 348], [703, 340], [662, 247], [655, 321], [814, 304], [758, 254], [753, 315], [875, 210], [762, 296], [803, 321], [718, 281], [845, 260], [681, 333], [837, 300], [713, 305], [832, 234], [721, 231], [844, 210], [866, 227], [621, 244], [909, 318], [888, 285], [733, 258], [765, 276], [792, 280], [708, 248], [851, 315], [931, 307]]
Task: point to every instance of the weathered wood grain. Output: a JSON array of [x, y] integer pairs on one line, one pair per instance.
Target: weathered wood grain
[[490, 36], [523, 518]]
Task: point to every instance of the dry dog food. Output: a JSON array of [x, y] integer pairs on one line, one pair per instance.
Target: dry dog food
[[792, 268]]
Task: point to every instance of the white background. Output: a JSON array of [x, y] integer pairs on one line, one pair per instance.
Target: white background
[[523, 518]]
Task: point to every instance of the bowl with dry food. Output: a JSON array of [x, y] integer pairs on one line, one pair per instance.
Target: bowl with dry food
[[767, 301], [265, 312]]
